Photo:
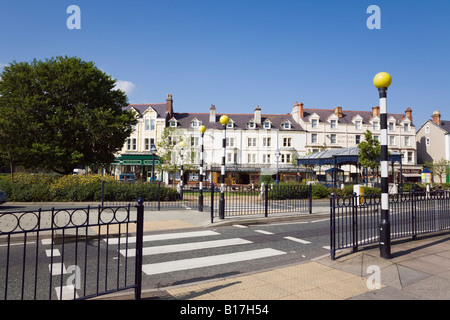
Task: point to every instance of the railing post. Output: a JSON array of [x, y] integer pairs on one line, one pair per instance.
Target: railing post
[[332, 227], [310, 199], [266, 199], [139, 245], [159, 195], [354, 221], [412, 196], [212, 202], [103, 192]]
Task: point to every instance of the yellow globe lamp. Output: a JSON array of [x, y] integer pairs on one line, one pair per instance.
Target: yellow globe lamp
[[224, 120], [182, 144], [382, 80], [201, 129]]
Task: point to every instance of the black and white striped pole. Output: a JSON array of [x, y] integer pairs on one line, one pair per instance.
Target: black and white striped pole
[[202, 130], [224, 121], [182, 145], [382, 81]]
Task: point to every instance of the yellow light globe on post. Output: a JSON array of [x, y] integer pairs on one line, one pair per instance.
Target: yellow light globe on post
[[201, 129], [182, 144], [224, 120], [382, 80]]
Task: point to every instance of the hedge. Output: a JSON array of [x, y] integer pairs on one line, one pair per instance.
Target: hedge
[[43, 187]]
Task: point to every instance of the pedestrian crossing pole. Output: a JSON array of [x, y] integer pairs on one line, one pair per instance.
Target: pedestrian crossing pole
[[382, 81], [202, 130], [182, 145], [224, 121]]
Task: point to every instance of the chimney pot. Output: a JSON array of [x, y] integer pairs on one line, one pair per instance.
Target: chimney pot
[[437, 118], [212, 114], [376, 111]]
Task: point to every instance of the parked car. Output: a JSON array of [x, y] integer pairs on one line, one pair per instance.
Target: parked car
[[127, 177], [3, 197]]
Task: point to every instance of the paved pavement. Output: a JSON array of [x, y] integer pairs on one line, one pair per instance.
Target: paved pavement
[[418, 270]]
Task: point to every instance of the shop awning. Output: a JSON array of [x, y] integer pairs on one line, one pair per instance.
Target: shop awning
[[134, 159], [339, 156]]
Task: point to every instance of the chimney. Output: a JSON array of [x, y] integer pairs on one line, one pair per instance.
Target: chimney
[[338, 111], [169, 106], [257, 117], [376, 111], [408, 114], [212, 114], [300, 110], [297, 111], [437, 118]]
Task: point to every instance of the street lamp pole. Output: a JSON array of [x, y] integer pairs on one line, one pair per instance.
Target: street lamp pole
[[202, 130], [153, 151], [382, 81], [224, 121], [182, 145]]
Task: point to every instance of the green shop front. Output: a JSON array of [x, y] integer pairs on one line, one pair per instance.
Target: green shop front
[[141, 165]]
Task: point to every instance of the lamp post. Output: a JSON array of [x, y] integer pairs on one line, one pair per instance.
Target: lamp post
[[202, 130], [382, 81], [277, 155], [224, 121], [182, 145], [153, 151]]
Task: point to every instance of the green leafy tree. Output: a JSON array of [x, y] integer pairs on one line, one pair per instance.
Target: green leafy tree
[[439, 168], [369, 151], [60, 113]]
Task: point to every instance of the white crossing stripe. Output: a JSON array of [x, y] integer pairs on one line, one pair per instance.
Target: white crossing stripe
[[165, 236], [54, 253], [170, 266], [56, 270], [264, 231], [297, 240], [186, 247], [46, 241], [67, 292], [239, 226]]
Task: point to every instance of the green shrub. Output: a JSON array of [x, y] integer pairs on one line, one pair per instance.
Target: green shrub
[[319, 191]]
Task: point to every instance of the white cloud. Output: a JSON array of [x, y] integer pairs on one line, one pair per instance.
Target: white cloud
[[125, 86]]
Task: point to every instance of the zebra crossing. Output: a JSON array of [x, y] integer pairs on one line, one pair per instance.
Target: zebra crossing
[[169, 252], [188, 242]]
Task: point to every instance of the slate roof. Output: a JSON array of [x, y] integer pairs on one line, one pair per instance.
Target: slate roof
[[160, 108], [240, 120], [347, 115], [445, 124]]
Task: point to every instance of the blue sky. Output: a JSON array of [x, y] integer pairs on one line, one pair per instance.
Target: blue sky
[[237, 54]]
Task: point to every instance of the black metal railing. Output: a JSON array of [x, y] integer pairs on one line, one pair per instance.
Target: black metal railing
[[69, 253], [239, 200], [265, 200], [354, 220]]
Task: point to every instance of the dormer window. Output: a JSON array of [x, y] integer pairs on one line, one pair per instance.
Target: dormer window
[[357, 125], [314, 123], [230, 124], [173, 124], [287, 125], [195, 123], [251, 125], [267, 125]]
